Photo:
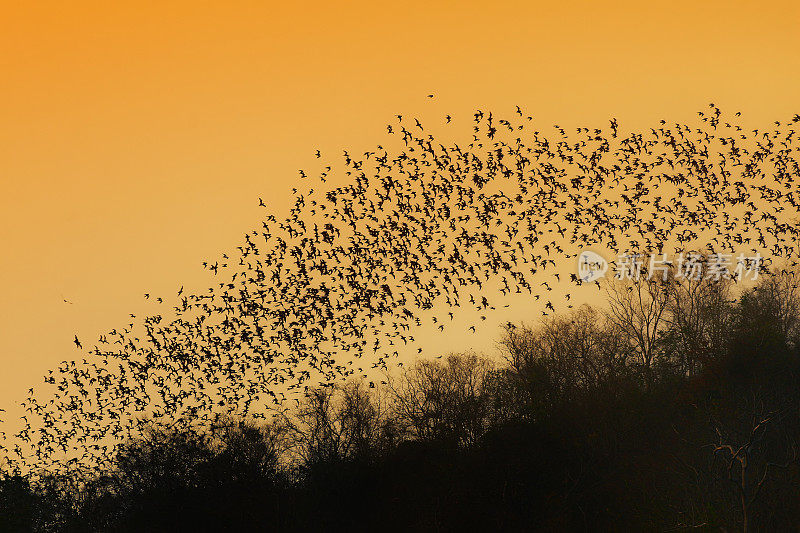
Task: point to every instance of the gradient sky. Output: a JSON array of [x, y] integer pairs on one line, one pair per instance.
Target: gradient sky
[[136, 137]]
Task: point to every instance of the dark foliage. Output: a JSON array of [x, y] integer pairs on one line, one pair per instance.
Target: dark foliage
[[564, 435]]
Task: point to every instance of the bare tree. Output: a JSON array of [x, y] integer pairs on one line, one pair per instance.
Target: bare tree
[[434, 400], [778, 295], [637, 309], [698, 319], [337, 423], [744, 458], [562, 356]]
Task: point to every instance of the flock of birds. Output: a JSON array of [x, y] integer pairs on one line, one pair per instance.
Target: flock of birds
[[420, 227]]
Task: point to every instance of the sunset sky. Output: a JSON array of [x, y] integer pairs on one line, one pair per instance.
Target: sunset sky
[[137, 137]]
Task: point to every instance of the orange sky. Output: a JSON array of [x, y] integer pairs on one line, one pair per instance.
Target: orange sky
[[137, 136]]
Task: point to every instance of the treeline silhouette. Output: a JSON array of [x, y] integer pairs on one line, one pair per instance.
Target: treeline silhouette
[[674, 407]]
